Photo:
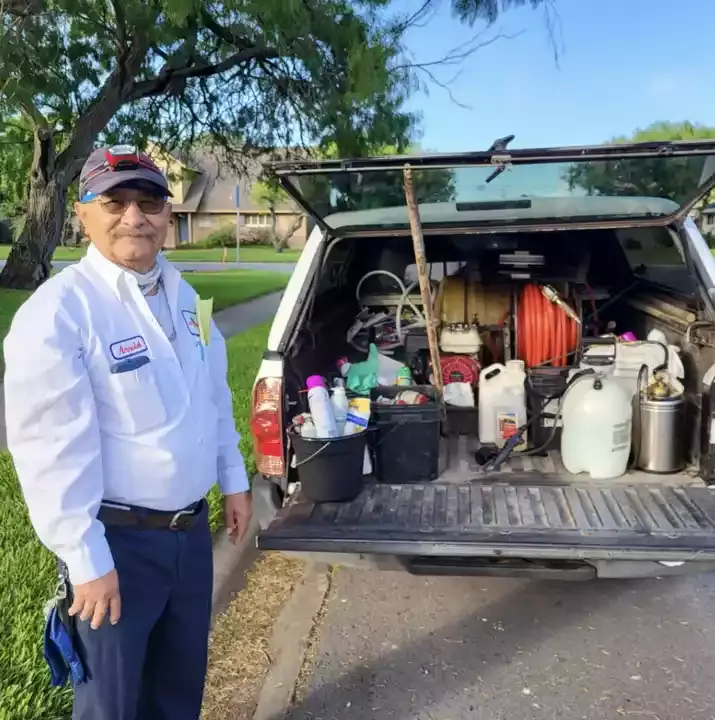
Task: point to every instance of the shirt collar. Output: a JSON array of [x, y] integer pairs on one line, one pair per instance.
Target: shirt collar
[[114, 274]]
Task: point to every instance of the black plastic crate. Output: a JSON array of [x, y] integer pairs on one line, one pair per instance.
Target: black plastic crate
[[461, 421], [406, 437], [544, 388]]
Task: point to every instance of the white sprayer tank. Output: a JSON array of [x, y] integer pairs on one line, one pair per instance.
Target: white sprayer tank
[[596, 437], [502, 402]]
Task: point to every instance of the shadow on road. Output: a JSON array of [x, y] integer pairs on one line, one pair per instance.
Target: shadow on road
[[448, 659]]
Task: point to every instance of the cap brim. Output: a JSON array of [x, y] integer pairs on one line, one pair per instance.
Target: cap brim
[[111, 180]]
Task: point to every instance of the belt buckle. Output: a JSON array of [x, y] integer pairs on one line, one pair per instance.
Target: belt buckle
[[174, 524]]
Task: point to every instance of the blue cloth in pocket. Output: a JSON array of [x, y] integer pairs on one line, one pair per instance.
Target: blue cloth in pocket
[[59, 646]]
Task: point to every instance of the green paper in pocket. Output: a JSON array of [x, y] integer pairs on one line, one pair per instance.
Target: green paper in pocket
[[204, 309]]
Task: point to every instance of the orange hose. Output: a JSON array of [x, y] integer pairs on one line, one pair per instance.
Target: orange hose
[[545, 333]]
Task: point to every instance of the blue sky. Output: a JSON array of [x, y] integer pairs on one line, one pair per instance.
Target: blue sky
[[623, 64]]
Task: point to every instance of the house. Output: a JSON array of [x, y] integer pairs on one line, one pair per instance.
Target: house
[[203, 201], [706, 220]]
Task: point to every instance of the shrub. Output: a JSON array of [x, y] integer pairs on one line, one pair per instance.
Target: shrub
[[256, 236], [226, 237], [222, 237]]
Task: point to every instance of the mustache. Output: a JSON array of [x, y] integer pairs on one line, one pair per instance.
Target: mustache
[[124, 232]]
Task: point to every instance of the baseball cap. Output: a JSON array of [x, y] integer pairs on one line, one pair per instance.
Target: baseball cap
[[108, 168]]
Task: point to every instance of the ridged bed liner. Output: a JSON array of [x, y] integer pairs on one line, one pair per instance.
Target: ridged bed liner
[[531, 509], [505, 519]]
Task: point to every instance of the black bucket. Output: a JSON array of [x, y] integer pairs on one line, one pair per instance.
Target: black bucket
[[330, 470]]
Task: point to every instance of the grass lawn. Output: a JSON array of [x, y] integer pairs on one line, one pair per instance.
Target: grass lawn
[[10, 301], [251, 253], [231, 287], [28, 571]]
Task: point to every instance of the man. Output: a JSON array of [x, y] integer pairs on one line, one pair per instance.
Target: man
[[119, 420]]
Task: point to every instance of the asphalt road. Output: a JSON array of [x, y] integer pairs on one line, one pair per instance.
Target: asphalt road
[[393, 646], [204, 266]]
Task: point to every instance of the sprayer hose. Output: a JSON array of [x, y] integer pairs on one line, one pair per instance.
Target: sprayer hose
[[545, 333]]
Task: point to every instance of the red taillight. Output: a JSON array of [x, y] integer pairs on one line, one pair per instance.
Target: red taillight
[[267, 426]]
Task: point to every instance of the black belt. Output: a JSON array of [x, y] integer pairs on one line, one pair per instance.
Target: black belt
[[120, 515]]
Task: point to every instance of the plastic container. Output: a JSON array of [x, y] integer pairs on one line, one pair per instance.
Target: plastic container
[[339, 400], [628, 358], [461, 421], [406, 438], [344, 366], [404, 377], [330, 470], [502, 403], [357, 421], [597, 416], [321, 408], [543, 383]]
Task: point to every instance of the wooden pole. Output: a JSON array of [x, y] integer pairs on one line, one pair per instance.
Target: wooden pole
[[418, 244]]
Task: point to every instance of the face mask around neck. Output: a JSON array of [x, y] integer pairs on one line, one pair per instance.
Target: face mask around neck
[[147, 280]]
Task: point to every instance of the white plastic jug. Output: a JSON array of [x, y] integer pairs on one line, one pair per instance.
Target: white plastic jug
[[321, 408], [502, 402], [596, 436]]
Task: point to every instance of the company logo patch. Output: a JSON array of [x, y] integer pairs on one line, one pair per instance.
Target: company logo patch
[[128, 347], [191, 322]]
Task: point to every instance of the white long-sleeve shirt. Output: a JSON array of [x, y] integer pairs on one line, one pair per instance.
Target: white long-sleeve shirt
[[83, 426]]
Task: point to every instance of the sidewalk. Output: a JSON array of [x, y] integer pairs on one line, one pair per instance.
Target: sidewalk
[[239, 318], [230, 322]]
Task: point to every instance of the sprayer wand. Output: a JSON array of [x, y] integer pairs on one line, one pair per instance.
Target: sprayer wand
[[494, 465]]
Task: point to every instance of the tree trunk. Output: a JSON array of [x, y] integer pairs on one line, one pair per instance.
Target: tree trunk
[[283, 241], [274, 228], [29, 262]]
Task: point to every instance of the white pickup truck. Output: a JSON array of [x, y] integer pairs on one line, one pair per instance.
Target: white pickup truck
[[609, 227]]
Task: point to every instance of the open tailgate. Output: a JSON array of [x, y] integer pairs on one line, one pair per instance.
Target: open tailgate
[[506, 519]]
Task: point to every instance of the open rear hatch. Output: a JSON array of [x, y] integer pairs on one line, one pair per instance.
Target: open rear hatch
[[527, 515], [647, 183], [506, 519]]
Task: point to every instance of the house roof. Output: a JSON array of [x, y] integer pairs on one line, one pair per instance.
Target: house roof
[[193, 196], [213, 190]]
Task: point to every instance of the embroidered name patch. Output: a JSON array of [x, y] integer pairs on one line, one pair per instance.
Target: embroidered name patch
[[191, 322], [127, 348]]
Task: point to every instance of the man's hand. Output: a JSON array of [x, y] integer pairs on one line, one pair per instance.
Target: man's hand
[[237, 509], [94, 598]]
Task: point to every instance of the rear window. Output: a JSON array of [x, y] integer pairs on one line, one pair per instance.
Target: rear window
[[521, 191]]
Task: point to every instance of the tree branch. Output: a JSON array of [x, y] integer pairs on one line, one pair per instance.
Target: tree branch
[[33, 114], [121, 26], [21, 8], [99, 112], [174, 78]]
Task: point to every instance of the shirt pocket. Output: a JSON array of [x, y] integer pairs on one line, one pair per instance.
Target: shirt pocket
[[131, 402]]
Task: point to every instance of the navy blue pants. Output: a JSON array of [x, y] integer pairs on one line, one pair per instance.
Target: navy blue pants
[[151, 665]]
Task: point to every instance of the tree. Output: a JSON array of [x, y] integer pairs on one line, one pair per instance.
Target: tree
[[15, 161], [249, 75], [666, 177], [271, 196]]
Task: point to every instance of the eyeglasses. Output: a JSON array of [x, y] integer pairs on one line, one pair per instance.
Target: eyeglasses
[[148, 206]]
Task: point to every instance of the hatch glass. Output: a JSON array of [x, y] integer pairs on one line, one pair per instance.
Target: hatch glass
[[630, 182]]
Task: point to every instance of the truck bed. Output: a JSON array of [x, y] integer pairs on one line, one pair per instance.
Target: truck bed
[[458, 464], [531, 509]]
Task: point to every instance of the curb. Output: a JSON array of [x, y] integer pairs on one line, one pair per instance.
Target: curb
[[230, 563], [290, 641]]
